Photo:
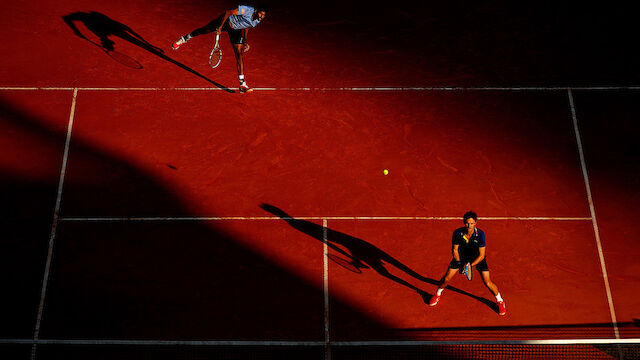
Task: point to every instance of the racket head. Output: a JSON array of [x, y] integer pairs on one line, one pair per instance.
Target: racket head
[[125, 60], [347, 264], [215, 58], [468, 271]]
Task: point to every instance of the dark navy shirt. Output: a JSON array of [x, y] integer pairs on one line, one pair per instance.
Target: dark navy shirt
[[469, 249]]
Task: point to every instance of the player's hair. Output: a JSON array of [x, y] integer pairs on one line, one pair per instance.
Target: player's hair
[[262, 7], [470, 215]]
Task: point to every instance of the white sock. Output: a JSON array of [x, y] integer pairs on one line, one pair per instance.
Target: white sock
[[241, 78], [498, 298], [439, 292]]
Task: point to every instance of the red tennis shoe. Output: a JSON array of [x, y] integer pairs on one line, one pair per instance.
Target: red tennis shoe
[[434, 300], [244, 88], [176, 45], [502, 308]]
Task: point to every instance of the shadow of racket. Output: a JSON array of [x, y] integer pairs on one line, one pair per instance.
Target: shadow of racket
[[350, 265], [123, 59]]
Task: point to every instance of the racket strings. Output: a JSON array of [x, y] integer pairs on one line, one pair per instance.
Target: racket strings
[[215, 58], [468, 271]]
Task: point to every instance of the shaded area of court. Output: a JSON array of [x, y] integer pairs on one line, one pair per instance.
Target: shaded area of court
[[171, 281], [609, 124], [31, 145]]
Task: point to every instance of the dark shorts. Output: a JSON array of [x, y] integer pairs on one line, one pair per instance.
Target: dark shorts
[[481, 266], [235, 36]]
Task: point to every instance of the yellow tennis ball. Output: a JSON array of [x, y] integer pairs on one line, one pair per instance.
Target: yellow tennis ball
[[385, 171]]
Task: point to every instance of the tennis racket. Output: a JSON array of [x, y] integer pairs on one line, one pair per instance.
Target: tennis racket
[[216, 54], [468, 272]]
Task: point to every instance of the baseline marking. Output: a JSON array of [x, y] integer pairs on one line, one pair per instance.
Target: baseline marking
[[225, 218], [413, 88]]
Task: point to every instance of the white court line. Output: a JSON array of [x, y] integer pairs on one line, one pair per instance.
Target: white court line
[[56, 216], [593, 214], [31, 88], [451, 88], [214, 343], [230, 218], [356, 89]]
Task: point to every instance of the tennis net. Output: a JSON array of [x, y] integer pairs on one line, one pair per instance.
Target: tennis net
[[520, 349], [625, 349]]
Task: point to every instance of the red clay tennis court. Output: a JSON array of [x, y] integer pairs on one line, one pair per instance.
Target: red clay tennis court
[[153, 211]]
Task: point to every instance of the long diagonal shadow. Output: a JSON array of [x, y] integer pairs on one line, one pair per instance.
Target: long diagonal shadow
[[104, 28], [149, 280], [363, 254]]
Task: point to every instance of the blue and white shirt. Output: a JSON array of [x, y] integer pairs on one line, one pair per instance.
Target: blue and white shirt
[[244, 19]]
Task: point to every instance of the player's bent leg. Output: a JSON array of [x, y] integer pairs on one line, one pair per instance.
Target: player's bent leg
[[447, 277], [486, 278], [443, 284], [207, 29]]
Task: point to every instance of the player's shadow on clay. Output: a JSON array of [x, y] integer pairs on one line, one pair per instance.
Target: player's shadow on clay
[[106, 29], [363, 255]]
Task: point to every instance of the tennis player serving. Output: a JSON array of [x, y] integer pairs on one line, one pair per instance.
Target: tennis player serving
[[469, 246], [236, 23]]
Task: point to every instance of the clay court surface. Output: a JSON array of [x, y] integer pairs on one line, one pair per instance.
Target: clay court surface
[[145, 207]]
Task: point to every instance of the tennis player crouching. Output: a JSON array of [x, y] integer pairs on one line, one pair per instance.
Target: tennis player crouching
[[469, 247], [236, 23]]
